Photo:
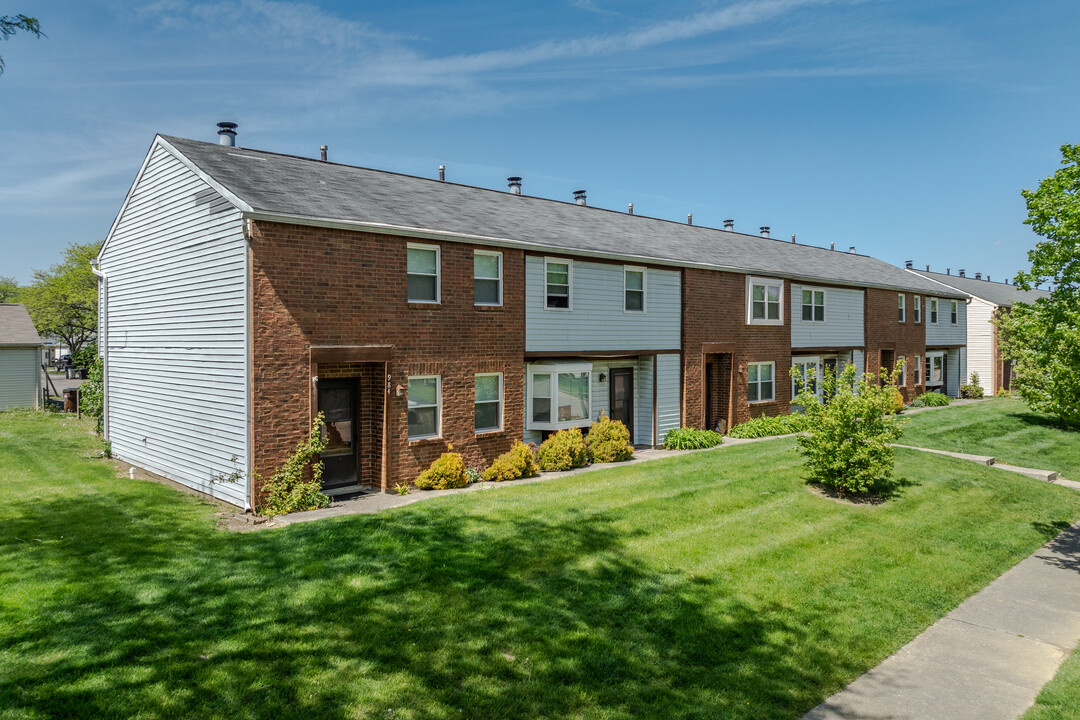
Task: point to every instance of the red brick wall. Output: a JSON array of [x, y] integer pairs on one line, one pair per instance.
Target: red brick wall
[[714, 311], [316, 286], [885, 332]]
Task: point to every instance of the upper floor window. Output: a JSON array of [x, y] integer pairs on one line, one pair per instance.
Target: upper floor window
[[813, 305], [488, 400], [954, 311], [902, 305], [423, 273], [559, 277], [634, 289], [933, 311], [487, 277], [765, 301], [424, 406], [760, 384], [918, 308]]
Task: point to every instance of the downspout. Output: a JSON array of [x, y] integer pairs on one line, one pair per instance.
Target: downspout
[[249, 490], [103, 344]]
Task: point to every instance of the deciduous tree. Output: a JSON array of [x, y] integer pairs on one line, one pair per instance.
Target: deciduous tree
[[63, 300], [11, 24]]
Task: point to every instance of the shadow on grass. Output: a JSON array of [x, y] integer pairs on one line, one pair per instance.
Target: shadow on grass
[[427, 613], [1034, 418]]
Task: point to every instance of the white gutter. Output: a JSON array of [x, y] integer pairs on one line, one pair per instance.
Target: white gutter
[[103, 344], [428, 234]]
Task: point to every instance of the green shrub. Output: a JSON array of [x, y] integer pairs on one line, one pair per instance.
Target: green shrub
[[85, 356], [931, 399], [609, 441], [846, 445], [1003, 393], [517, 462], [472, 475], [972, 391], [564, 450], [896, 400], [92, 394], [766, 426], [447, 471], [691, 439], [287, 491]]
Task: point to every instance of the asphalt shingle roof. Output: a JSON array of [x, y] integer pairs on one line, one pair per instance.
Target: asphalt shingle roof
[[313, 189], [997, 293], [16, 327]]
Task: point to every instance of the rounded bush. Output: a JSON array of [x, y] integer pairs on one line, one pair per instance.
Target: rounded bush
[[563, 451], [448, 471], [609, 441], [517, 462]]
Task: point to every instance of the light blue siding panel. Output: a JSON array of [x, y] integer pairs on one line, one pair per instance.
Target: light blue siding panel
[[597, 320], [175, 329], [643, 400], [943, 332], [843, 324], [953, 368], [668, 406]]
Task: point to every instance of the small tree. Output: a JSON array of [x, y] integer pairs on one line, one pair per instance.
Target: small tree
[[63, 300], [847, 446]]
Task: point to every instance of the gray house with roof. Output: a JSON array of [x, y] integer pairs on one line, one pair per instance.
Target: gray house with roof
[[20, 358], [262, 289]]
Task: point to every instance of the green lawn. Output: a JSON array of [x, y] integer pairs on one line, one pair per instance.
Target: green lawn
[[712, 585], [1060, 700], [1006, 429]]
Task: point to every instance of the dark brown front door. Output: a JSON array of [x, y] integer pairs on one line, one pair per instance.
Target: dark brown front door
[[621, 397], [337, 403]]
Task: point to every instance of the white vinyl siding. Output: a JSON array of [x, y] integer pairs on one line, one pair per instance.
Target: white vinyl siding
[[175, 327], [843, 324], [944, 332], [20, 377], [598, 320], [980, 332]]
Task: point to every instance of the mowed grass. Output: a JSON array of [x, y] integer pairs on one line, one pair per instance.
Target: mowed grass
[[712, 585], [1060, 699], [1005, 428]]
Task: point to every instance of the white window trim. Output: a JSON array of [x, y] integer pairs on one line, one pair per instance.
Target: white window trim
[[918, 370], [918, 308], [760, 399], [930, 356], [438, 272], [644, 289], [818, 370], [438, 406], [569, 288], [554, 370], [902, 307], [750, 282], [499, 255], [824, 303], [902, 380], [954, 312], [502, 404], [933, 311]]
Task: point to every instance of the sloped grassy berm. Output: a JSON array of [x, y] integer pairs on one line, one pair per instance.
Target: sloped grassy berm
[[706, 585]]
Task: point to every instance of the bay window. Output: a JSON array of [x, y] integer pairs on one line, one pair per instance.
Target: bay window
[[559, 395]]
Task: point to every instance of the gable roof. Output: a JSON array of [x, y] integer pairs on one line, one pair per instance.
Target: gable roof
[[996, 293], [307, 191], [16, 327]]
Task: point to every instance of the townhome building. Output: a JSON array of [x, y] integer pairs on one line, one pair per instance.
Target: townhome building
[[988, 300], [260, 290]]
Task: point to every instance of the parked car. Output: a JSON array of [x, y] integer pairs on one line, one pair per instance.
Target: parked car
[[63, 361]]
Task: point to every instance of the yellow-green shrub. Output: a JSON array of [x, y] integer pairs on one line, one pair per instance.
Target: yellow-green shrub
[[609, 441], [564, 450], [896, 400], [448, 471], [517, 462]]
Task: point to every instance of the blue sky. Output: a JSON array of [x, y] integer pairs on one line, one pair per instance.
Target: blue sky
[[906, 128]]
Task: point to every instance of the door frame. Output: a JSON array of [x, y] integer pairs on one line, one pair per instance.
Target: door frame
[[354, 386], [612, 371]]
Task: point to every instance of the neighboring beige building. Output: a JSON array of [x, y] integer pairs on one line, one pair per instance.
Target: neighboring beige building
[[20, 359]]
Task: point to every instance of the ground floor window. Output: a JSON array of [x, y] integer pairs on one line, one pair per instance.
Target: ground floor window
[[935, 369], [805, 373], [901, 381], [760, 382], [425, 393], [559, 395], [488, 396], [918, 369]]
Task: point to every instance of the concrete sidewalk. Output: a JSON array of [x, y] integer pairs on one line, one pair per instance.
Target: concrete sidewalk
[[986, 660]]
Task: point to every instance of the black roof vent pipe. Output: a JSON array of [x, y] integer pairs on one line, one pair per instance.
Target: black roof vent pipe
[[630, 208], [729, 224], [322, 152], [442, 173], [764, 230], [689, 218], [909, 264]]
